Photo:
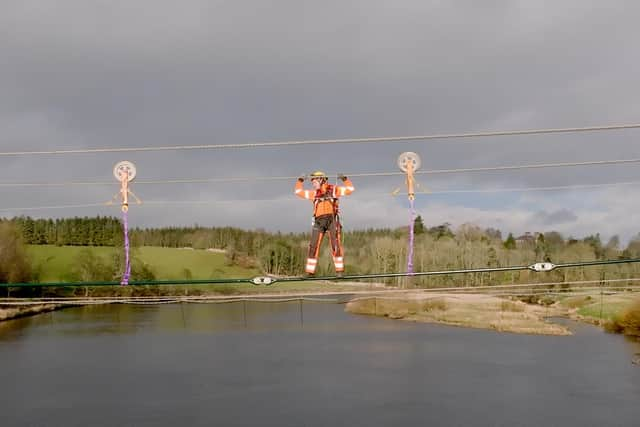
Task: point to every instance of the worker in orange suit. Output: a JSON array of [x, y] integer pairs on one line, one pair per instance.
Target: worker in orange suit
[[326, 217]]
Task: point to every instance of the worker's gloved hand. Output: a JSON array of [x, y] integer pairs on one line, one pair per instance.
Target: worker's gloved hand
[[342, 177], [301, 178]]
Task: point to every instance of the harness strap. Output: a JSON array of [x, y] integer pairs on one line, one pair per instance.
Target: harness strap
[[327, 195]]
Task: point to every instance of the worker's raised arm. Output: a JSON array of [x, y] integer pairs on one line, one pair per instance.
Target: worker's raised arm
[[346, 189], [301, 192]]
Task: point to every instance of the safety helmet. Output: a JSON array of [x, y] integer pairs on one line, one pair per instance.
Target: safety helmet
[[318, 175]]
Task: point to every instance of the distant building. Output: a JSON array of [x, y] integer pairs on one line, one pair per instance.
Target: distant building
[[527, 239]]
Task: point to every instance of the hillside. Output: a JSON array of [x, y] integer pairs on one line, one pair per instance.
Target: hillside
[[56, 262]]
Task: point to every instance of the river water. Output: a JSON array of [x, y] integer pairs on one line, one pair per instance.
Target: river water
[[303, 364]]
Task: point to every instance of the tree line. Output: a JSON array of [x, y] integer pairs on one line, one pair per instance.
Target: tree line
[[77, 231], [439, 247]]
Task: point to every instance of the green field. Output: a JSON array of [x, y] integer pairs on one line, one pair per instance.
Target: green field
[[611, 306], [599, 307], [56, 262]]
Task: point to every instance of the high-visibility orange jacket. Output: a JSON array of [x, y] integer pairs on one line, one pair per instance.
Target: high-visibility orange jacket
[[325, 199]]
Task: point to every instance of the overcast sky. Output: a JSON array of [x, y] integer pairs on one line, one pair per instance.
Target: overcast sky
[[93, 74]]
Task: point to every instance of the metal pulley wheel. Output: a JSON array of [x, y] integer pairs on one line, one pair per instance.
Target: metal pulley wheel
[[124, 166], [409, 158]]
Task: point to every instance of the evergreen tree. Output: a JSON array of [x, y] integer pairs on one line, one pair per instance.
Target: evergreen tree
[[510, 243], [418, 225]]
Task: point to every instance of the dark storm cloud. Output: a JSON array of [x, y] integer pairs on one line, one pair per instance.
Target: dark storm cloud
[[99, 73]]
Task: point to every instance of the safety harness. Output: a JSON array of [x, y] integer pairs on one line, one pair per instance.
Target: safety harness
[[328, 195]]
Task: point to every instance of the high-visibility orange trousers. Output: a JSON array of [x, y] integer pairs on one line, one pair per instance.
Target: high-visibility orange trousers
[[325, 224]]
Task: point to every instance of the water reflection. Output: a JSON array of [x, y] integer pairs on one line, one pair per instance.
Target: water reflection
[[303, 364]]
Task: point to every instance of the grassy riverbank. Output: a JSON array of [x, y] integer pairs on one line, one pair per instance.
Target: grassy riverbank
[[503, 314], [466, 310]]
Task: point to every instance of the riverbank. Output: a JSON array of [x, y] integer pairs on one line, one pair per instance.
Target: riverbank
[[465, 310], [14, 312], [505, 314]]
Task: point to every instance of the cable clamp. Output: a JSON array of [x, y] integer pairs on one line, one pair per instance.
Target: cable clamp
[[264, 280], [542, 266]]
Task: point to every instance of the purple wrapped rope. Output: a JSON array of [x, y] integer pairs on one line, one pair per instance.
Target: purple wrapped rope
[[127, 261], [412, 219]]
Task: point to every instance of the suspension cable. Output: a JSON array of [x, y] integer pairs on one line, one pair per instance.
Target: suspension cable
[[291, 199], [289, 178], [268, 280], [367, 140], [538, 267]]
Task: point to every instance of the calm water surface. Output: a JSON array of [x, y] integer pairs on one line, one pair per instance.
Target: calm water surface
[[310, 364]]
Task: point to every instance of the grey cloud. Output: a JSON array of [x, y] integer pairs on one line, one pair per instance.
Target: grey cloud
[[91, 74], [554, 218]]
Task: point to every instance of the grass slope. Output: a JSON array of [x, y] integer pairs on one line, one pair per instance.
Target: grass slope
[[167, 263]]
